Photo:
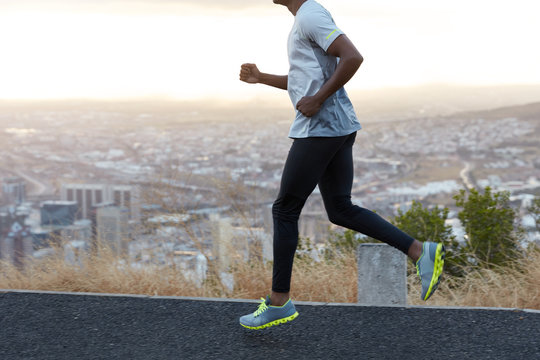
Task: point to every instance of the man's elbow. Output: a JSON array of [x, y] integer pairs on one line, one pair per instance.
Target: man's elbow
[[359, 59], [356, 60]]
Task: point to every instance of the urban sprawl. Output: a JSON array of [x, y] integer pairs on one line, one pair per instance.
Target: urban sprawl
[[184, 186]]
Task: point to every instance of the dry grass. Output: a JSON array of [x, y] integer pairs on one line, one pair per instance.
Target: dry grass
[[107, 273], [102, 274], [516, 286], [323, 281]]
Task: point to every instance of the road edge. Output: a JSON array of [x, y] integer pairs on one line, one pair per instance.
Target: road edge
[[310, 303]]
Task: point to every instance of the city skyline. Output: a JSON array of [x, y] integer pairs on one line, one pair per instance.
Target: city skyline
[[193, 49]]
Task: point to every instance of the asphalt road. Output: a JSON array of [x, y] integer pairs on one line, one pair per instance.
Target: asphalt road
[[61, 326]]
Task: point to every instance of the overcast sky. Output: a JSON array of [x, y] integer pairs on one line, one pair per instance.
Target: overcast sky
[[193, 49]]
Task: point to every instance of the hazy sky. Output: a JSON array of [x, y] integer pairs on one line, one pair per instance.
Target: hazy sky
[[193, 49]]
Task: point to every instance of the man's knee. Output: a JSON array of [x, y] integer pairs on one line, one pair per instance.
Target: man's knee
[[287, 207], [340, 210], [338, 218]]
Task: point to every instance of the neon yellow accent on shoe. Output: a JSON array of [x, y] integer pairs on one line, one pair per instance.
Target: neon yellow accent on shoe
[[268, 315], [430, 267], [262, 308], [437, 271], [272, 323], [282, 306]]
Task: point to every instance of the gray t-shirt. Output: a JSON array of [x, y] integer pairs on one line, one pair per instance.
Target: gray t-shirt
[[313, 32]]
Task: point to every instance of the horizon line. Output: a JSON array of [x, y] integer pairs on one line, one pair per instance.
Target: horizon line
[[256, 96]]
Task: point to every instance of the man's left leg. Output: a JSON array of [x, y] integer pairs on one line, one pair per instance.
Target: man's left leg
[[305, 163]]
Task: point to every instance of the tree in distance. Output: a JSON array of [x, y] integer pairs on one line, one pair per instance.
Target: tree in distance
[[424, 224], [492, 233], [534, 210]]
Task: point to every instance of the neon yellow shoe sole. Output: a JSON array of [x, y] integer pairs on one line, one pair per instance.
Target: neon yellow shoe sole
[[430, 267], [272, 323], [437, 271]]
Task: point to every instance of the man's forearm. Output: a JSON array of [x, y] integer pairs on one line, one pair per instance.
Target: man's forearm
[[345, 70], [278, 81]]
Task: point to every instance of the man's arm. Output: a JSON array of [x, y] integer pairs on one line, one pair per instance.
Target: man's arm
[[349, 61], [250, 73]]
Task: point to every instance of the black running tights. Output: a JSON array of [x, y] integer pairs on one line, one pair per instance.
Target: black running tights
[[326, 161]]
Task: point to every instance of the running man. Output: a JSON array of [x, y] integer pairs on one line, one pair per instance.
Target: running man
[[323, 134]]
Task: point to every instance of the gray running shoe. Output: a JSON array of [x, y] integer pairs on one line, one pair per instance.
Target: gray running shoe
[[430, 267], [267, 315]]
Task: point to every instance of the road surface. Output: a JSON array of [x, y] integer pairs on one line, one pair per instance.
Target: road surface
[[65, 326]]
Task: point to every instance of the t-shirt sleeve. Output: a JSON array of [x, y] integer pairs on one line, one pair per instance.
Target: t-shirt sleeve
[[319, 27]]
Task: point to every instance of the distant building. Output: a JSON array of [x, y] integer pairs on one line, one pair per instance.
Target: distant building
[[80, 230], [14, 190], [313, 225], [58, 225], [222, 236], [58, 212], [232, 244], [43, 235], [113, 229], [126, 196], [259, 242], [85, 195], [192, 263], [16, 242], [89, 196], [93, 219]]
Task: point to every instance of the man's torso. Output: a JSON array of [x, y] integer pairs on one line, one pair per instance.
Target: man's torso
[[310, 67]]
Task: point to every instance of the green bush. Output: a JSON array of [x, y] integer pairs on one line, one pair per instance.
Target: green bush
[[424, 224], [492, 234], [534, 210]]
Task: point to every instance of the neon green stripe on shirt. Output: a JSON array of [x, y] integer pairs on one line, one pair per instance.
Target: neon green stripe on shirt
[[328, 37]]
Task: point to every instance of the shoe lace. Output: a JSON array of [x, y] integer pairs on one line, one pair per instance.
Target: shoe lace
[[262, 308]]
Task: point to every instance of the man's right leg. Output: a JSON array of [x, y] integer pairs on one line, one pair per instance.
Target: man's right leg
[[335, 186]]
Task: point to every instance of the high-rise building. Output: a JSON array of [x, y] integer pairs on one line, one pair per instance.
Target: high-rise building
[[85, 195], [113, 229], [88, 196], [14, 190], [93, 220], [58, 212], [126, 196]]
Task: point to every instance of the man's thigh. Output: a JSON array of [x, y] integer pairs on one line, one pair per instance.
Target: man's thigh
[[306, 163], [337, 178]]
